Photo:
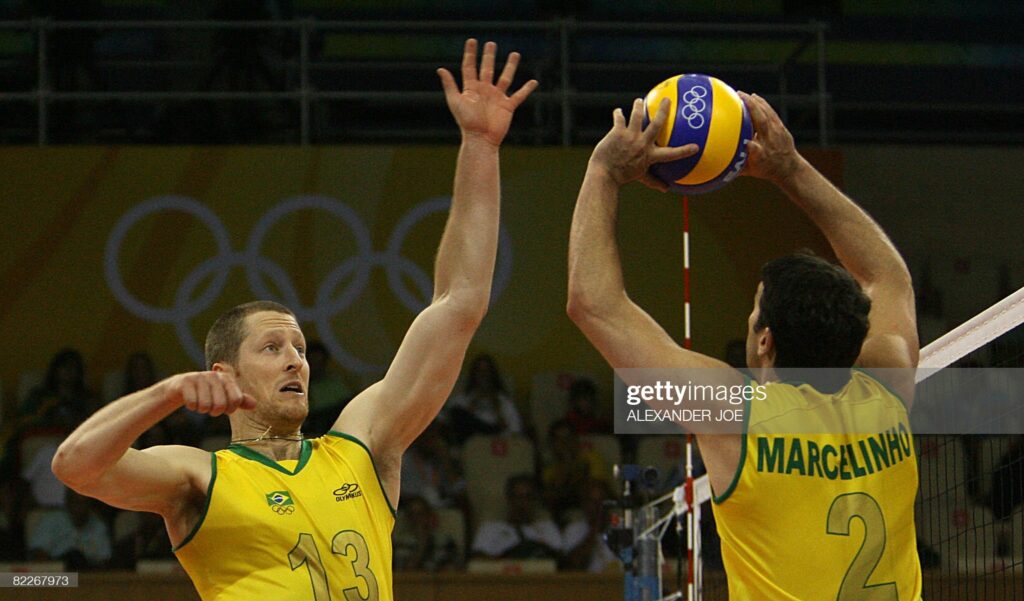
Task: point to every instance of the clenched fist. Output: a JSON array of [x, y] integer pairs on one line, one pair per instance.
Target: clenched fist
[[211, 392]]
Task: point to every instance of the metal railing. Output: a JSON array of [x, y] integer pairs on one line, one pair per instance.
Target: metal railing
[[310, 79]]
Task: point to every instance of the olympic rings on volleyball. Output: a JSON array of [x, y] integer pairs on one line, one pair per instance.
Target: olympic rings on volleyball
[[356, 270], [693, 106]]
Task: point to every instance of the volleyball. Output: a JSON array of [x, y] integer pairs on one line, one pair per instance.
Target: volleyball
[[707, 112]]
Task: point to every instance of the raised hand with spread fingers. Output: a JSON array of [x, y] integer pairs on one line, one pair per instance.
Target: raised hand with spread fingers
[[483, 107]]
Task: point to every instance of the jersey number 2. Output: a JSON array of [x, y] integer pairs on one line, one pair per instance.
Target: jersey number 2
[[855, 585], [349, 544]]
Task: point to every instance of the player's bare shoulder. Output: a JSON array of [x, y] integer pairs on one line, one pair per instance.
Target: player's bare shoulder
[[194, 462]]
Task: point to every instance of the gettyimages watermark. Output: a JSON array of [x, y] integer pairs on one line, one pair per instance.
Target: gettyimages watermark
[[677, 401], [872, 403]]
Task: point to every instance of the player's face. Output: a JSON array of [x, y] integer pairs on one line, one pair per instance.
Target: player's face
[[272, 365]]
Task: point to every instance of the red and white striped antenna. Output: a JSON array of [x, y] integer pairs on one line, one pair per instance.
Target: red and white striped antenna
[[692, 526]]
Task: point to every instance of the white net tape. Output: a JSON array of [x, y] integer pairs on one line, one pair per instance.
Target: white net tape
[[974, 333]]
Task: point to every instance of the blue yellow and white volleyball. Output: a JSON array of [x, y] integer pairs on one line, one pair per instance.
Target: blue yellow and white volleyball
[[707, 112]]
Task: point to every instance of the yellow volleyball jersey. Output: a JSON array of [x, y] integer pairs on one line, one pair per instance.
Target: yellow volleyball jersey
[[316, 530], [823, 516]]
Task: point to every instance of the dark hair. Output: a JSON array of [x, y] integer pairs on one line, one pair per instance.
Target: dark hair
[[226, 334], [129, 384], [817, 312], [64, 356], [472, 383]]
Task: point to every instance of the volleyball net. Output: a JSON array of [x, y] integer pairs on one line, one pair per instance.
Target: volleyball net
[[970, 503]]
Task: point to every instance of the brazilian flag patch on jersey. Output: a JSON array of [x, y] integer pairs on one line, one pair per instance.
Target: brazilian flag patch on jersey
[[280, 501]]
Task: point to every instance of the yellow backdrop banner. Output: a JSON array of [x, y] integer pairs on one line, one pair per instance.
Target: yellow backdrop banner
[[111, 250]]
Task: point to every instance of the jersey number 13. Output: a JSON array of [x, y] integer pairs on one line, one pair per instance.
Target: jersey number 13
[[351, 546]]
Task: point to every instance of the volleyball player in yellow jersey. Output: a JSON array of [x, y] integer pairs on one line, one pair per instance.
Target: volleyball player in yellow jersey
[[279, 517], [826, 514]]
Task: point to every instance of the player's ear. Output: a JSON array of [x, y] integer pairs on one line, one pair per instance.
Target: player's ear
[[766, 346], [223, 367]]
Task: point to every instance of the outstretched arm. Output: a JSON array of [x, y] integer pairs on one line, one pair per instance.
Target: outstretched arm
[[625, 334], [389, 415], [859, 243]]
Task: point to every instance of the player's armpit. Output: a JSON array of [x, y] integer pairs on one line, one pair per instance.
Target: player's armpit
[[891, 359], [158, 479], [892, 344]]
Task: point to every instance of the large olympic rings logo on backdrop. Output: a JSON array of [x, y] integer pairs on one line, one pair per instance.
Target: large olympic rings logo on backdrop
[[693, 106], [257, 267]]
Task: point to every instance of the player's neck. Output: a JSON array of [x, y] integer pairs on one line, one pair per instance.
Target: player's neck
[[764, 374], [277, 449], [275, 441]]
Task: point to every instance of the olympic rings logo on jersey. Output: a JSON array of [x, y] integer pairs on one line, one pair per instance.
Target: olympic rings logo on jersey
[[283, 509], [693, 106], [356, 269]]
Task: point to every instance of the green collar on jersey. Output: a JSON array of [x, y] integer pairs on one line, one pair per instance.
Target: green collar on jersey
[[247, 453]]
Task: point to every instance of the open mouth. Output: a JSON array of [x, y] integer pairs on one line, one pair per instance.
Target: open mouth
[[292, 387]]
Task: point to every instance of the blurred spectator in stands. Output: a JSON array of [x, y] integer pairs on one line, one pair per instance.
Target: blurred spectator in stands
[[76, 536], [47, 490], [417, 544], [570, 470], [62, 401], [12, 540], [55, 407], [1007, 494], [484, 407], [328, 393], [526, 533], [139, 535], [139, 373], [583, 413], [151, 541], [973, 444], [181, 427], [430, 471], [585, 549]]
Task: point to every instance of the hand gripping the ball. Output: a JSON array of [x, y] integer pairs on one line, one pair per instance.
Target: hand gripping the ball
[[210, 392], [628, 150], [772, 153]]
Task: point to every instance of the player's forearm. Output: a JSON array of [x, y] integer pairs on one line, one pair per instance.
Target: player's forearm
[[466, 255], [859, 243], [103, 439], [595, 271]]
